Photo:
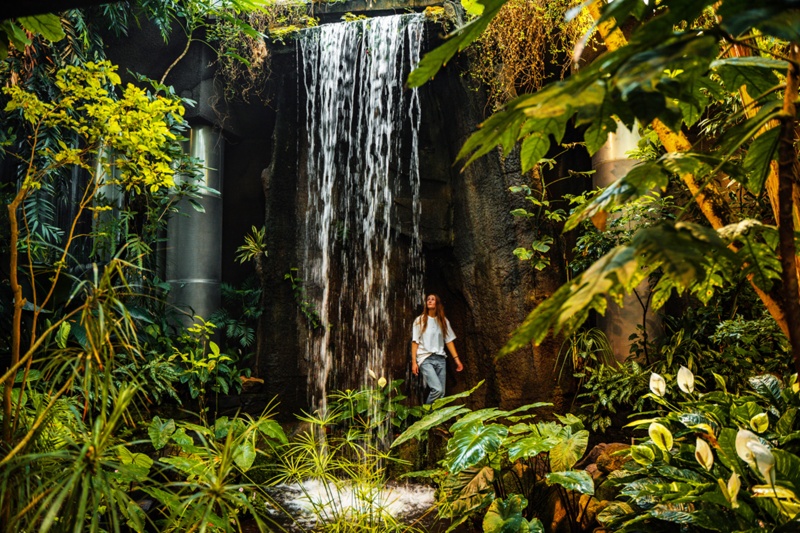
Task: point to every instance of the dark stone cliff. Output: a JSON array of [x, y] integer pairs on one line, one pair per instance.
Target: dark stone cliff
[[468, 234]]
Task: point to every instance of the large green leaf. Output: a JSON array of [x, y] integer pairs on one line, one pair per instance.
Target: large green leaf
[[466, 491], [160, 431], [601, 124], [48, 25], [505, 516], [245, 455], [759, 157], [15, 34], [768, 386], [567, 452], [490, 413], [530, 446], [472, 443], [570, 305], [421, 427], [645, 69], [787, 467], [273, 430], [757, 74], [728, 455], [441, 402], [189, 465], [785, 425], [534, 148], [639, 181], [577, 480]]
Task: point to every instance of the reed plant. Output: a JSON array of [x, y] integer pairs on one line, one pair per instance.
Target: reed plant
[[339, 468]]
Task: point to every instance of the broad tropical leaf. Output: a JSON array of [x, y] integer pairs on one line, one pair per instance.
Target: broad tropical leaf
[[577, 480], [505, 516], [472, 443], [467, 491], [757, 74], [441, 402], [530, 447], [160, 431], [567, 452], [421, 427]]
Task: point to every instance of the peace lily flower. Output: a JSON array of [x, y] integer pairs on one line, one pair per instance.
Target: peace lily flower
[[703, 454], [685, 380], [658, 385], [372, 374], [755, 454], [381, 382], [734, 484], [765, 461], [742, 450], [661, 436]]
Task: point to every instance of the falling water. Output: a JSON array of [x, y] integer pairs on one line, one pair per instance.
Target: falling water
[[363, 141]]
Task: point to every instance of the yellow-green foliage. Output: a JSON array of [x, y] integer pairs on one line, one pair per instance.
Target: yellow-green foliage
[[126, 128]]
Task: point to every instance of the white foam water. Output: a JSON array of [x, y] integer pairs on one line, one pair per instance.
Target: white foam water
[[315, 500]]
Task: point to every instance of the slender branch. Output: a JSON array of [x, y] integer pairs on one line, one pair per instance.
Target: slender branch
[[185, 51]]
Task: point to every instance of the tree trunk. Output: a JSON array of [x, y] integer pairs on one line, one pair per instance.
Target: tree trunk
[[787, 176]]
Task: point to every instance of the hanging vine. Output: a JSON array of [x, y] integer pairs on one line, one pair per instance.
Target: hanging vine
[[527, 44]]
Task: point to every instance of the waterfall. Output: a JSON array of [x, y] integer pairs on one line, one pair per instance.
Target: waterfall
[[362, 141]]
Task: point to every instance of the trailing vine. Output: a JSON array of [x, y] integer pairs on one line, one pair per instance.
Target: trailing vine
[[517, 52]]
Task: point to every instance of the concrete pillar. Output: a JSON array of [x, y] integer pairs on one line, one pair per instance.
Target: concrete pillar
[[194, 239], [619, 323]]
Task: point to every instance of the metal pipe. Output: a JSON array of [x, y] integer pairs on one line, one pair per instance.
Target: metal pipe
[[194, 239], [620, 322]]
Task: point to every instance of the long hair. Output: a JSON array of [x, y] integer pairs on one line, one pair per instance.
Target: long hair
[[438, 314]]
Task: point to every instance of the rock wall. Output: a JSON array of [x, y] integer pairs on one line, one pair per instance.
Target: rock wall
[[468, 234], [468, 238]]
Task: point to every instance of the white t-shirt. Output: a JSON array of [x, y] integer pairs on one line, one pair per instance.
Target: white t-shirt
[[431, 341]]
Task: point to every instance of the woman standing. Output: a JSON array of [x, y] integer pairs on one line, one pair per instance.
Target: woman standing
[[431, 333]]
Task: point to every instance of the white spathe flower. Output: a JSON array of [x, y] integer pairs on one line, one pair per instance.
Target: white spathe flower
[[685, 380], [765, 461], [658, 385], [703, 454], [372, 374], [742, 450], [381, 382], [661, 436], [734, 484]]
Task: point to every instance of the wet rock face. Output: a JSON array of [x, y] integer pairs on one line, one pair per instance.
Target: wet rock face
[[468, 238], [468, 241], [467, 232]]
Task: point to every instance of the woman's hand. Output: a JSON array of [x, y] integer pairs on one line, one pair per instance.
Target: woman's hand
[[414, 367], [459, 366]]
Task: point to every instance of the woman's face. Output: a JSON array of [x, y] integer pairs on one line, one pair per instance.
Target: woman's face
[[430, 302]]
